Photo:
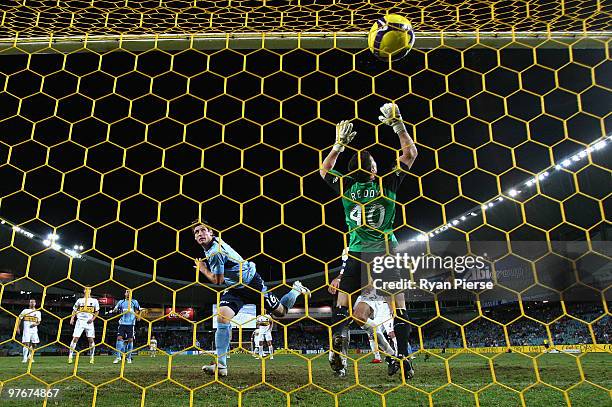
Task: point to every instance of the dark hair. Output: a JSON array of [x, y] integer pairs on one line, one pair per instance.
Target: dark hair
[[197, 223], [362, 162]]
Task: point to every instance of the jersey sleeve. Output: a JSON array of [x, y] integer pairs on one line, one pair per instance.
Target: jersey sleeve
[[338, 182], [76, 306], [394, 177], [96, 305], [38, 317], [135, 305], [22, 314]]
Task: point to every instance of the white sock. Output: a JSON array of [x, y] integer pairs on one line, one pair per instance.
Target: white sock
[[271, 350], [73, 345], [92, 352], [394, 340], [372, 344], [25, 353], [261, 351], [383, 345]]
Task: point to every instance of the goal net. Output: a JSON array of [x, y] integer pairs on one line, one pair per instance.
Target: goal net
[[123, 121]]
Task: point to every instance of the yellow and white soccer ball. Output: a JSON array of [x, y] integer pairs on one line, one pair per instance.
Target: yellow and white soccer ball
[[391, 36]]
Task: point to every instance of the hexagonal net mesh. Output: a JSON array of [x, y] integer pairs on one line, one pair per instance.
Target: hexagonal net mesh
[[119, 150], [42, 18]]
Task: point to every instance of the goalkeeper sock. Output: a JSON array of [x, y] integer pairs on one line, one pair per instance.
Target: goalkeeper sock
[[289, 299], [402, 331], [340, 314], [25, 353], [222, 339], [120, 348], [130, 346]]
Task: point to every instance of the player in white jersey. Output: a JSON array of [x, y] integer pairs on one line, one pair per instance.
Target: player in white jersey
[[383, 319], [264, 323], [31, 319], [85, 311], [380, 318], [153, 347]]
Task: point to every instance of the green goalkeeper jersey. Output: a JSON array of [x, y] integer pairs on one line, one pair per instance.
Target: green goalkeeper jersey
[[369, 209]]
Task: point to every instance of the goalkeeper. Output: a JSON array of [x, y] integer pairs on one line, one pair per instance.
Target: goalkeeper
[[369, 210]]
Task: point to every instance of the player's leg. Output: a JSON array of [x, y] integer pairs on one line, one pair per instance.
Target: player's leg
[[78, 331], [288, 300], [25, 351], [223, 334], [120, 345], [363, 313], [402, 328], [230, 304], [350, 283], [229, 343], [33, 340], [270, 346], [374, 349], [32, 349], [261, 346], [130, 347], [388, 326], [92, 347]]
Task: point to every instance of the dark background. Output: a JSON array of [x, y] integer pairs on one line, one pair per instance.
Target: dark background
[[120, 152]]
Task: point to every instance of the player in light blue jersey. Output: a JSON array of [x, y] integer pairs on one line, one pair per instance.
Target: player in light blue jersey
[[130, 310], [224, 266]]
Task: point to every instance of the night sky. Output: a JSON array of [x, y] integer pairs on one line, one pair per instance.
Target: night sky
[[128, 149]]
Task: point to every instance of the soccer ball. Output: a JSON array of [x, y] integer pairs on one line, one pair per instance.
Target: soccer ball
[[391, 37]]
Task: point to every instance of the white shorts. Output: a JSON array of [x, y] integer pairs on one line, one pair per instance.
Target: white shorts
[[381, 312], [267, 337], [81, 326], [30, 336]]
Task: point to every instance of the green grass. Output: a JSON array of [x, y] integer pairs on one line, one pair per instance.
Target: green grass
[[167, 382]]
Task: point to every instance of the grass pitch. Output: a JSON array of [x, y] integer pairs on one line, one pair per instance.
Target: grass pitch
[[453, 380]]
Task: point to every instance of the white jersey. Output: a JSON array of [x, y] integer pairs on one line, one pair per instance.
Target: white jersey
[[85, 310], [264, 322], [153, 344], [30, 317]]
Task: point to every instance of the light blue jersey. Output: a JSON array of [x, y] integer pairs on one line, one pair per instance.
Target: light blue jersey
[[129, 318], [224, 260]]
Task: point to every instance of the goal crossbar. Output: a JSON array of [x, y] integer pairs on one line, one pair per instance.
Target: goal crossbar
[[292, 40]]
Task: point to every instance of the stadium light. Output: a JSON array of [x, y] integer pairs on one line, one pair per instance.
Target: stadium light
[[515, 191]]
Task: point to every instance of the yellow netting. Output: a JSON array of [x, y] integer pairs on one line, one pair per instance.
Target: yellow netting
[[518, 104], [32, 18]]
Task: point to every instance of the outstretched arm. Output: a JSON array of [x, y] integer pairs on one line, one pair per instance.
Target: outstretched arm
[[391, 116], [344, 135]]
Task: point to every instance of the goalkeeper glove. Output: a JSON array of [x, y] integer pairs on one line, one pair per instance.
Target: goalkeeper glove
[[344, 135], [391, 116]]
